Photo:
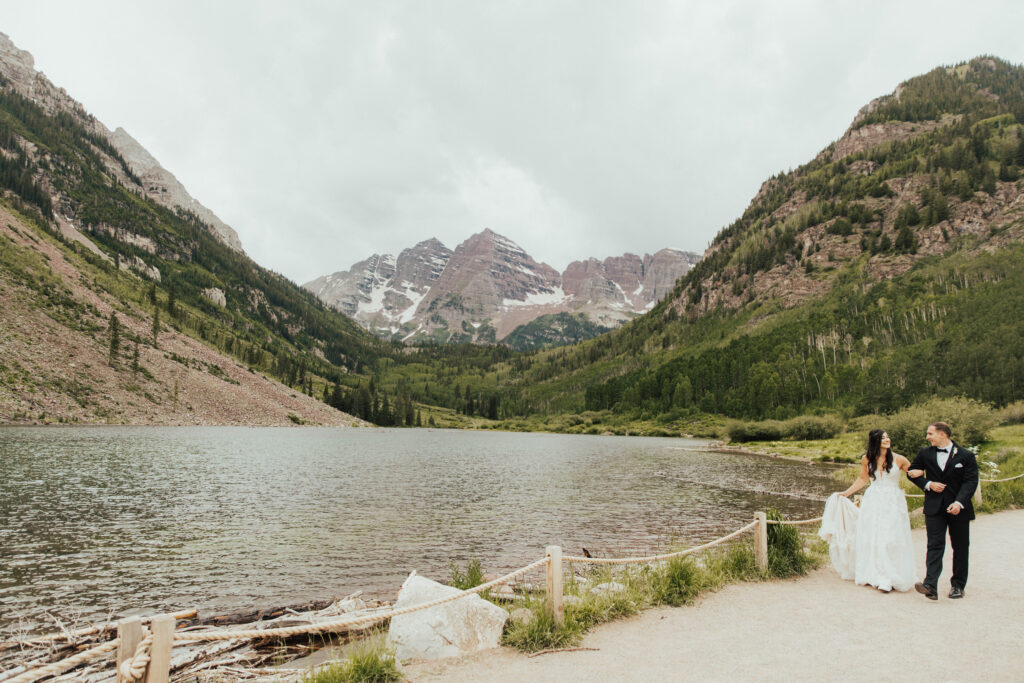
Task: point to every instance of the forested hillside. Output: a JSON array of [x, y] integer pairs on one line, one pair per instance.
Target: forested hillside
[[881, 271]]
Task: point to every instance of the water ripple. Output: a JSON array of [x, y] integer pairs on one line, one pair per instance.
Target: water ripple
[[101, 520]]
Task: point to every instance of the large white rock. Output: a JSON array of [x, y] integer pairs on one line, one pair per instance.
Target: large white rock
[[455, 628]]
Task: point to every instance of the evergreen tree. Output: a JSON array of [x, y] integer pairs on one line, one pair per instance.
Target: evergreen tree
[[988, 182], [156, 326], [152, 294], [682, 396], [172, 301], [906, 242], [115, 337]]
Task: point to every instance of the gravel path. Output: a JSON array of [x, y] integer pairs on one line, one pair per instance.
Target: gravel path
[[813, 628]]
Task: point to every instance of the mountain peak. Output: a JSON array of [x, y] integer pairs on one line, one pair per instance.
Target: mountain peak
[[488, 286]]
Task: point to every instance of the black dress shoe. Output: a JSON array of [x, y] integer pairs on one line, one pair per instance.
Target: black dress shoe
[[927, 591], [956, 592]]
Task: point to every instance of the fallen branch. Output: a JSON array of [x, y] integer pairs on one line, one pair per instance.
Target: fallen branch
[[562, 649]]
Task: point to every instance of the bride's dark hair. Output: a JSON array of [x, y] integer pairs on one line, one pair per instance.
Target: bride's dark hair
[[875, 449]]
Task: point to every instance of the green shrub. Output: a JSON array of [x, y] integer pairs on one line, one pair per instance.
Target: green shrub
[[472, 577], [370, 661], [540, 633], [1012, 414], [678, 582], [786, 556], [812, 427], [971, 420], [802, 428], [735, 563], [768, 430], [1007, 494]]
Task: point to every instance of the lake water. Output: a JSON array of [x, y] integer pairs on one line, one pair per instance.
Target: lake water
[[99, 520]]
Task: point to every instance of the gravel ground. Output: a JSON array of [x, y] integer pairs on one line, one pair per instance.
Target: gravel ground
[[817, 627]]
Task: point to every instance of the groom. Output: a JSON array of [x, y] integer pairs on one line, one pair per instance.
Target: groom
[[949, 480]]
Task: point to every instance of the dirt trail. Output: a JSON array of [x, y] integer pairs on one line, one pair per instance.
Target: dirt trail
[[813, 628]]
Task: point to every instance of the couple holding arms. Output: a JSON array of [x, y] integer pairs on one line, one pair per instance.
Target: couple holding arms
[[872, 544]]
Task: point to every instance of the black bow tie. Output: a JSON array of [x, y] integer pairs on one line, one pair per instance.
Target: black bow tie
[[942, 450]]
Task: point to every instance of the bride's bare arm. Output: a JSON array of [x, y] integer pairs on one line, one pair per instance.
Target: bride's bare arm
[[901, 462], [862, 479]]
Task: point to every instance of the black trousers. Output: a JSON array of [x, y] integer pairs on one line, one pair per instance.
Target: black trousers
[[959, 538]]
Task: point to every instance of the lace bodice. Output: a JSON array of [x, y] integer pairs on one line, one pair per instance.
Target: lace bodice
[[890, 478]]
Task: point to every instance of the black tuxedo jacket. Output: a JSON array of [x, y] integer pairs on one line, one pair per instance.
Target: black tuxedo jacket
[[960, 477]]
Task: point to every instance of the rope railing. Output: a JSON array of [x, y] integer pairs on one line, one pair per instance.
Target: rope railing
[[998, 481], [134, 668], [798, 522], [62, 665], [288, 631], [657, 558]]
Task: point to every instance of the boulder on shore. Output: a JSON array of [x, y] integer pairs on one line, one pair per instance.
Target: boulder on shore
[[455, 628]]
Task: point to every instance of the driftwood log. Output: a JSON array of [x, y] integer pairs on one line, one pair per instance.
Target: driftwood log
[[223, 660]]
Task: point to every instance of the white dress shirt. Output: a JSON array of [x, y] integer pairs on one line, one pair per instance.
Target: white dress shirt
[[942, 459]]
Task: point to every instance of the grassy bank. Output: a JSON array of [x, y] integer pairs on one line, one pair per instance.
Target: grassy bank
[[598, 594], [700, 425]]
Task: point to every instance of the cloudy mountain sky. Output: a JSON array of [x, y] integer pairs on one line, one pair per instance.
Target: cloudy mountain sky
[[326, 131]]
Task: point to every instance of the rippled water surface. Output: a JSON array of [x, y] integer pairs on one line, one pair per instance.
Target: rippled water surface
[[99, 520]]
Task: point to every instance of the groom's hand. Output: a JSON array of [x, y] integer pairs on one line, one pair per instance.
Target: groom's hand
[[955, 508]]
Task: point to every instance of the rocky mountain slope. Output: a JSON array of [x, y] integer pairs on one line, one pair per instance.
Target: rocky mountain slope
[[124, 300], [56, 364], [489, 286], [17, 67]]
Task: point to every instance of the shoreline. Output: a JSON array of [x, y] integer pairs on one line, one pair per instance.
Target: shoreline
[[805, 628]]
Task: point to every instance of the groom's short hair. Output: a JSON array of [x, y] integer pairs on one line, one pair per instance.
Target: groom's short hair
[[943, 427]]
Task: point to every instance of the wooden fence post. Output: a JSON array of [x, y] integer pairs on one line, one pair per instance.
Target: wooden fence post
[[129, 635], [162, 627], [761, 542], [977, 496], [554, 584]]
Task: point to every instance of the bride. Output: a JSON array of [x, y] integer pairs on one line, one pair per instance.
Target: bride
[[878, 547]]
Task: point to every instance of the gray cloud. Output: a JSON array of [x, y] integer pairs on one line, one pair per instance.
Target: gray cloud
[[323, 132]]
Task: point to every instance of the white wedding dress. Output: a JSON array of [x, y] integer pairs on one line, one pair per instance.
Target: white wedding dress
[[872, 545]]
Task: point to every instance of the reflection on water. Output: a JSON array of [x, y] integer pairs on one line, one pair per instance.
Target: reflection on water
[[100, 520]]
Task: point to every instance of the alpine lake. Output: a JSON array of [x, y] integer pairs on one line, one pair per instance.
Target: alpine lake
[[99, 522]]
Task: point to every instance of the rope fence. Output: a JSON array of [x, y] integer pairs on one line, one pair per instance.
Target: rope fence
[[658, 558], [999, 481], [144, 654]]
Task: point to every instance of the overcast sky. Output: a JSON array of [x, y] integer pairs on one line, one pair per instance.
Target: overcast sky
[[323, 132]]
